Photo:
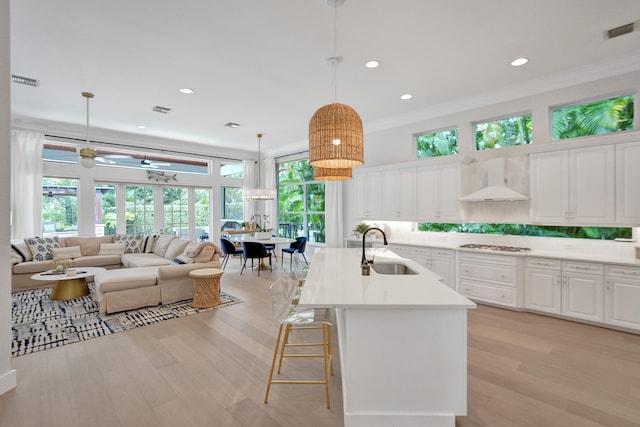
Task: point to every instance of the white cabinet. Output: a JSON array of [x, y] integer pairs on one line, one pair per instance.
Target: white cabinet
[[543, 285], [622, 296], [491, 278], [583, 290], [627, 177], [438, 190], [367, 189], [573, 186], [398, 190], [440, 261]]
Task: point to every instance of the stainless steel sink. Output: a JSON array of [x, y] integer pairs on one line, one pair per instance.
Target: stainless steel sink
[[394, 268]]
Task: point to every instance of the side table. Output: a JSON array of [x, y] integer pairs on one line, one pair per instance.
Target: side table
[[206, 287]]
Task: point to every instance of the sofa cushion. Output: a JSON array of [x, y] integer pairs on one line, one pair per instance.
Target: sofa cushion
[[111, 249], [89, 245], [143, 260], [32, 267], [205, 255], [133, 242], [176, 247], [20, 249], [41, 247], [69, 252], [97, 261], [162, 244], [125, 278]]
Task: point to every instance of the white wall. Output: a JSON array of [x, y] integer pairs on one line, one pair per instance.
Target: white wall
[[8, 377], [397, 145]]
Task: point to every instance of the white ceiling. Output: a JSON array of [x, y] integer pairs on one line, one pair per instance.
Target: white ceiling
[[262, 63]]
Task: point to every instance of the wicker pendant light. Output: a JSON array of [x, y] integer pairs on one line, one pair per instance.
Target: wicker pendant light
[[335, 131], [332, 174]]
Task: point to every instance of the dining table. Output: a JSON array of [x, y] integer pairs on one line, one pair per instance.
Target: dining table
[[273, 240]]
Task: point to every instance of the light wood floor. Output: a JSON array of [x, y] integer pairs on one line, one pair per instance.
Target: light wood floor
[[210, 369]]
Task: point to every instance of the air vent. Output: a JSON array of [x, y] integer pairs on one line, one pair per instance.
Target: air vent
[[163, 110], [620, 31], [25, 80], [232, 125]]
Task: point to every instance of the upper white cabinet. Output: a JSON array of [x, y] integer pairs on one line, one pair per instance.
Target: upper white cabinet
[[573, 186], [627, 179], [367, 187], [438, 190], [398, 190]]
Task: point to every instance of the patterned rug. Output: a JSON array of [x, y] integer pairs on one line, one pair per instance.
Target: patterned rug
[[40, 323]]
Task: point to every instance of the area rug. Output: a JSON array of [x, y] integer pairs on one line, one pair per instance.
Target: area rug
[[40, 323]]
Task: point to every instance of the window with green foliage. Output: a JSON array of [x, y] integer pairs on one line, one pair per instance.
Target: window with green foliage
[[232, 204], [301, 202], [59, 207], [601, 233], [176, 212], [202, 213], [594, 118], [502, 133], [139, 209], [442, 143], [105, 209]]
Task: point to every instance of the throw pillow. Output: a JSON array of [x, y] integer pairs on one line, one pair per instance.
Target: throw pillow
[[183, 259], [205, 254], [41, 247], [176, 247], [111, 249], [88, 245], [132, 242], [19, 249], [162, 244], [147, 246], [66, 253]]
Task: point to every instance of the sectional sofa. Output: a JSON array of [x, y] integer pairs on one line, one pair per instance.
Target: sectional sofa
[[141, 270]]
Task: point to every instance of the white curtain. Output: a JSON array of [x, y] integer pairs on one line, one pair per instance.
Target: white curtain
[[26, 183], [270, 206], [334, 233], [248, 181]]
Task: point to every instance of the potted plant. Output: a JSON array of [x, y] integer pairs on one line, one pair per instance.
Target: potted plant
[[360, 229], [263, 230]]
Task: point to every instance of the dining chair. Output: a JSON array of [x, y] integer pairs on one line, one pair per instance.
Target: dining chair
[[229, 250], [292, 318], [299, 245], [255, 250]]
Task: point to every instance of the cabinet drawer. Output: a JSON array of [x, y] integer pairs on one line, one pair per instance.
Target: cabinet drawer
[[490, 273], [488, 259], [622, 271], [582, 267], [546, 263], [442, 253], [499, 295]]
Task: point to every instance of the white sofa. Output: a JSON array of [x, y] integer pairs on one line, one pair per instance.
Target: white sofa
[[152, 270]]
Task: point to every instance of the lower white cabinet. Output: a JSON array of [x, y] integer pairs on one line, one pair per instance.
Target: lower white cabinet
[[491, 278], [440, 261], [543, 285], [583, 290], [622, 296]]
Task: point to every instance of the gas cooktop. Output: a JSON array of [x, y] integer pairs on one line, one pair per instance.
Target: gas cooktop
[[495, 247]]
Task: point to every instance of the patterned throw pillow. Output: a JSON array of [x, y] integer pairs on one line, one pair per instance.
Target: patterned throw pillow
[[41, 247], [132, 242]]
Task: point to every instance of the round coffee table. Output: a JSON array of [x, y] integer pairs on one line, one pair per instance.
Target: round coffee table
[[206, 287], [69, 287]]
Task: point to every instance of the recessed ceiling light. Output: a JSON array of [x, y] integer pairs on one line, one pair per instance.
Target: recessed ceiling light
[[406, 96], [186, 90], [142, 127], [519, 61], [374, 63]]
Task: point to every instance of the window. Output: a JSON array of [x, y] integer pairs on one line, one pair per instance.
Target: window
[[442, 143], [139, 209], [176, 213], [506, 132], [231, 170], [59, 207], [301, 202], [600, 233], [105, 209], [232, 204], [61, 153], [594, 118], [202, 213]]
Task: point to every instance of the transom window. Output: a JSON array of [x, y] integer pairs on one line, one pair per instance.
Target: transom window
[[507, 132], [593, 118], [442, 143]]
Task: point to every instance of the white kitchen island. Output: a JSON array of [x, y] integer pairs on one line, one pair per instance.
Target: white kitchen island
[[403, 339]]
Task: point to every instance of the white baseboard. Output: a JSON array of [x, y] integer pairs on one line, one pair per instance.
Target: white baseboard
[[8, 380]]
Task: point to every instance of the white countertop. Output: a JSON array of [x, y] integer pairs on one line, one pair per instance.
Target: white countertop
[[335, 280]]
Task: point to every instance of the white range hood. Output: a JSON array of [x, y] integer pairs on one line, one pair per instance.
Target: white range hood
[[496, 189]]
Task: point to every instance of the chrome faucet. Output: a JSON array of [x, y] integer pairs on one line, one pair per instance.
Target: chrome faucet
[[364, 235]]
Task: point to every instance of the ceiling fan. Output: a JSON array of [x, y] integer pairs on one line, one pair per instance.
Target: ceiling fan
[[146, 163]]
